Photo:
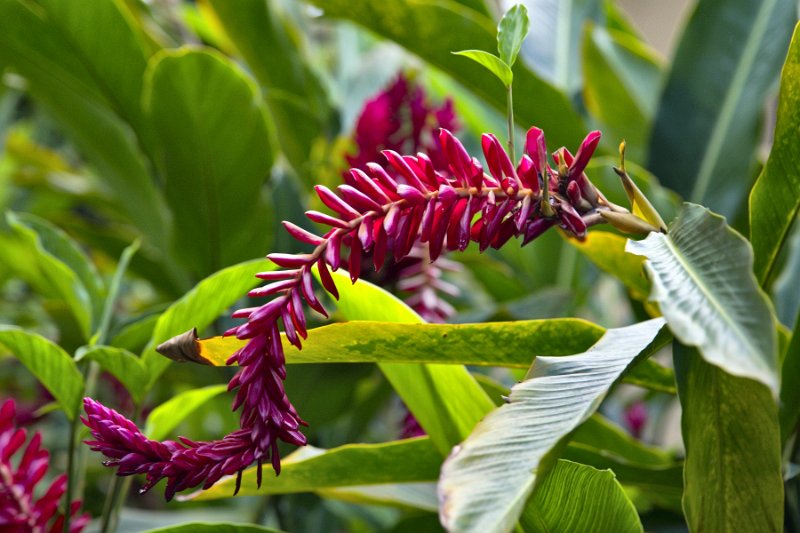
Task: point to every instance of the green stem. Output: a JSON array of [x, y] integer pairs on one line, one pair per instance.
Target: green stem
[[73, 437], [510, 115]]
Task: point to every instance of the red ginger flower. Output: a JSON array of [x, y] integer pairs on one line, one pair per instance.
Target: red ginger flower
[[20, 510], [379, 215]]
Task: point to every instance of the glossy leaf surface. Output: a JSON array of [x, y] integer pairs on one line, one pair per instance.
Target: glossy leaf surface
[[167, 416]]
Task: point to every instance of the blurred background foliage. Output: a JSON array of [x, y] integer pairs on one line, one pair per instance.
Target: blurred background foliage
[[194, 128]]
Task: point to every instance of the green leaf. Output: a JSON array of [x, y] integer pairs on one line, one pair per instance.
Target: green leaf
[[703, 282], [445, 399], [732, 471], [790, 392], [51, 365], [511, 31], [62, 266], [213, 527], [622, 78], [311, 469], [607, 251], [576, 497], [404, 495], [200, 307], [171, 413], [706, 133], [213, 150], [59, 76], [775, 198], [493, 64], [271, 47], [512, 344], [101, 333], [122, 364], [432, 29], [487, 480]]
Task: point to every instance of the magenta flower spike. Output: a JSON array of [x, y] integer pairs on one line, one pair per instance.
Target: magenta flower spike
[[20, 508], [382, 212]]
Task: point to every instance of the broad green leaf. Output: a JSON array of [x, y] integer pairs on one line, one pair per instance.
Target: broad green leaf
[[122, 364], [404, 495], [553, 47], [576, 497], [487, 480], [213, 527], [732, 471], [200, 307], [51, 365], [511, 31], [432, 29], [775, 198], [171, 413], [492, 63], [513, 344], [607, 251], [621, 83], [703, 282], [600, 433], [310, 469], [62, 266], [271, 47], [445, 399], [704, 140], [59, 77], [790, 392], [213, 151], [651, 375]]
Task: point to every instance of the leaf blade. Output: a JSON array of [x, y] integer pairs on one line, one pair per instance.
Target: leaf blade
[[491, 62], [511, 31]]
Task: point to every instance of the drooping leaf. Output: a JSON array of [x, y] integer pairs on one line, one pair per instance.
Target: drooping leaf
[[576, 497], [513, 344], [51, 365], [432, 29], [621, 83], [491, 62], [122, 364], [213, 527], [59, 77], [511, 31], [445, 399], [703, 282], [775, 198], [271, 47], [486, 482], [706, 131], [732, 471], [200, 307], [61, 266], [213, 150], [553, 47], [167, 416], [310, 469]]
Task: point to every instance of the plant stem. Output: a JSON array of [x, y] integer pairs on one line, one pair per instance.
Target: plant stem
[[73, 436], [510, 115]]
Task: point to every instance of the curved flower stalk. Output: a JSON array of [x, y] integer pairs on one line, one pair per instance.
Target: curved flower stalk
[[20, 509], [445, 210]]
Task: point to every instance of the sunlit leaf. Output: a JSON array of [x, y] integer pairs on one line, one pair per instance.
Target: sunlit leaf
[[167, 416], [213, 527], [576, 497], [732, 470], [214, 151], [310, 469], [486, 482], [775, 198], [511, 31], [491, 62], [404, 495], [704, 285], [706, 132], [51, 365]]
